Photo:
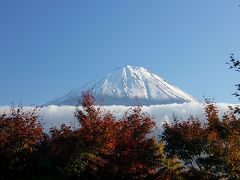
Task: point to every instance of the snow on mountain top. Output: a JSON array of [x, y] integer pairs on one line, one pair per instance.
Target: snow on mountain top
[[127, 86]]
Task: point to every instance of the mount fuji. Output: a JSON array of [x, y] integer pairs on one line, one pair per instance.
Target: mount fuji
[[128, 86]]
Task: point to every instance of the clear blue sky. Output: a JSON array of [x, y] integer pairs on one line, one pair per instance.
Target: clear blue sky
[[49, 47]]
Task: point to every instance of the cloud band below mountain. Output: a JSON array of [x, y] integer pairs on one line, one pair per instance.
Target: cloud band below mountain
[[56, 115]]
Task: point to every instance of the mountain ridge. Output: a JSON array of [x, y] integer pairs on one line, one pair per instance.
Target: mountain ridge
[[126, 86]]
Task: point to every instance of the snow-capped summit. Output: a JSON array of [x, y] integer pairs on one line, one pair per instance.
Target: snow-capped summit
[[128, 86]]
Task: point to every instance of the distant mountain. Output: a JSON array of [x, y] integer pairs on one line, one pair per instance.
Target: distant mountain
[[128, 86]]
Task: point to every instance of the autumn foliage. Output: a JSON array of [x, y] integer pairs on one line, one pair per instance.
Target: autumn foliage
[[209, 150], [20, 136], [111, 148], [104, 147]]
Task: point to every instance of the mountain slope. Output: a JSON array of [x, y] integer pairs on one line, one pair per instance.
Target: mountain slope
[[128, 86]]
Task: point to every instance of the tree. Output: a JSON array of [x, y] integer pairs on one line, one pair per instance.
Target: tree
[[223, 143], [96, 141], [20, 136], [137, 152], [234, 63], [169, 168], [108, 148], [185, 139], [209, 151]]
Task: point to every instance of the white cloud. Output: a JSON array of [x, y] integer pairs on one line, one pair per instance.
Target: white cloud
[[56, 115]]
